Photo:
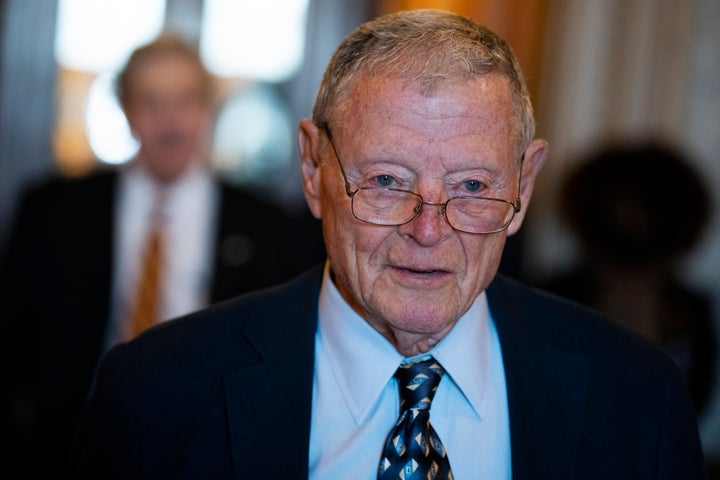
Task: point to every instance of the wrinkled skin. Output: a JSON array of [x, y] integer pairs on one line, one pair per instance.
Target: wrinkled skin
[[413, 282]]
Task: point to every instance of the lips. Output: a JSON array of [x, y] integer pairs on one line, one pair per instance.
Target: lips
[[421, 270], [416, 279]]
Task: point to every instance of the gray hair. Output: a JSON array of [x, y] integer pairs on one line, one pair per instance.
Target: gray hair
[[427, 47]]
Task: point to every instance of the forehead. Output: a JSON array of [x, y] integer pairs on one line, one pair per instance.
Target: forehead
[[474, 113], [165, 73]]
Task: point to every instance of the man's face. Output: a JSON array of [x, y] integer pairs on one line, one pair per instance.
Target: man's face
[[413, 282], [168, 114]]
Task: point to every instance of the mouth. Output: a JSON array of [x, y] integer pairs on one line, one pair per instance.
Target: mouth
[[419, 279], [420, 271]]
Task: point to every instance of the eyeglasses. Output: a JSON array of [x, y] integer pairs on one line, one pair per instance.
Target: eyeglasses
[[392, 206]]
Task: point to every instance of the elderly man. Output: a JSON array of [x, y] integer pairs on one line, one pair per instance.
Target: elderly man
[[420, 161]]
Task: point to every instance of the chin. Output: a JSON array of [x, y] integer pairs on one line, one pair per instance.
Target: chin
[[423, 319]]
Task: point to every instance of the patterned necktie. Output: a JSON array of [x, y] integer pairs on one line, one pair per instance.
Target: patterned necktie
[[413, 449]]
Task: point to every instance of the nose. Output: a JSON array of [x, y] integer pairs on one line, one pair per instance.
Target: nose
[[429, 226], [441, 206]]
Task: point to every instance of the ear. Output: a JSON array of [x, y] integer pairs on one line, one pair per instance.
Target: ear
[[534, 159], [309, 145]]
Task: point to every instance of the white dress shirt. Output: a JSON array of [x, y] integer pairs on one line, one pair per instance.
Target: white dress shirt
[[356, 402], [189, 213]]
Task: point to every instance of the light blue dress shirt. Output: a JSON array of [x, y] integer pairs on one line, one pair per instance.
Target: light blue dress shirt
[[355, 398]]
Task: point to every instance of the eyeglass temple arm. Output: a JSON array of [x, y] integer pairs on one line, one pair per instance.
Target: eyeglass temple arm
[[348, 188], [517, 204]]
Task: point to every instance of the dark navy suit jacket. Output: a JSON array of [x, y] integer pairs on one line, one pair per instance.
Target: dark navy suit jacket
[[226, 394]]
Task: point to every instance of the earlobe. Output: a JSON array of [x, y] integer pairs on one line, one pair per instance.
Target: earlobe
[[308, 143]]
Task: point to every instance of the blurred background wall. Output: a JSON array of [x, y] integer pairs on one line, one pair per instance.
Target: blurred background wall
[[598, 71]]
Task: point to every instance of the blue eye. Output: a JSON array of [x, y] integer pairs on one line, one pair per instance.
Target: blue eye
[[473, 186], [385, 180]]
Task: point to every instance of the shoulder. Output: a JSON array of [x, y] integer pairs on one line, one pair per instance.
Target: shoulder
[[244, 210], [623, 389], [561, 324], [241, 330], [50, 190], [289, 240], [64, 206], [235, 197]]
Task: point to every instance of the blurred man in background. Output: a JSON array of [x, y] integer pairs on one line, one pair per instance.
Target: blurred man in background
[[96, 260]]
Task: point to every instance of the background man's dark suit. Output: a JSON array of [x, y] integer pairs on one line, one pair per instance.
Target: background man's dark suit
[[56, 294], [240, 376]]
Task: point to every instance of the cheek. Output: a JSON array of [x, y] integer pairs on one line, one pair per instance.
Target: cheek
[[146, 127], [348, 241], [483, 259], [196, 121], [353, 247], [335, 216]]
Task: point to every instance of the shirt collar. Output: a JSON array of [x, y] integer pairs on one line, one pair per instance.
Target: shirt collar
[[465, 354], [180, 195], [363, 361]]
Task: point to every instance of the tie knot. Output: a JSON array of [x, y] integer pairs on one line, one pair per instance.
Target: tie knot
[[158, 212], [418, 383]]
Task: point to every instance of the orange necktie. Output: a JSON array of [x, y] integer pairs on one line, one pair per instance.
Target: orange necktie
[[144, 313]]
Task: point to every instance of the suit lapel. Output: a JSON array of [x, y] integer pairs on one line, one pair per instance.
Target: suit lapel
[[546, 390], [268, 409], [269, 403]]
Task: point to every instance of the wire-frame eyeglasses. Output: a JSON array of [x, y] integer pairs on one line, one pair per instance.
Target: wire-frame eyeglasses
[[392, 206]]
